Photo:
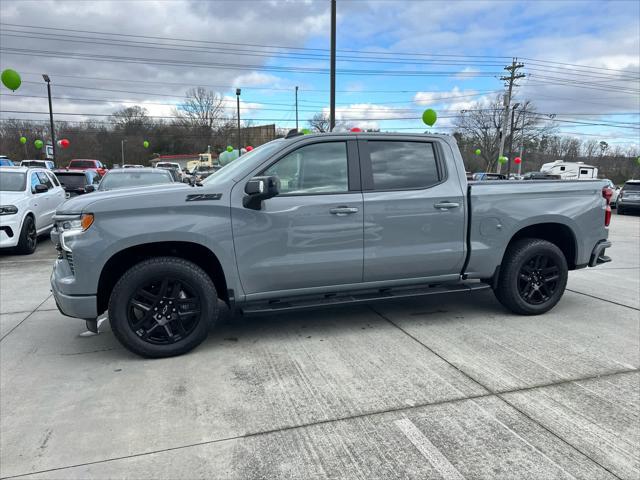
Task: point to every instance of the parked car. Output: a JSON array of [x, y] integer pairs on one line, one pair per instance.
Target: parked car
[[5, 161], [172, 166], [629, 197], [29, 198], [488, 176], [130, 165], [615, 192], [134, 177], [540, 176], [38, 163], [83, 164], [285, 228], [203, 171], [77, 182]]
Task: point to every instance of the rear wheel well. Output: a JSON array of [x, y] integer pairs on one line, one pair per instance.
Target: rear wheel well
[[122, 261], [556, 233]]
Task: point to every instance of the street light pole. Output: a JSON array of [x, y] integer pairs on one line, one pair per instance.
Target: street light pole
[[238, 91], [296, 108], [53, 133], [332, 100]]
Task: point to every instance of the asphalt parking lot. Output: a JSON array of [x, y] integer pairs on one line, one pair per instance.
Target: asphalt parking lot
[[448, 387]]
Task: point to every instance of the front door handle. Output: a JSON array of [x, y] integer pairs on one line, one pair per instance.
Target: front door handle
[[343, 210], [446, 205]]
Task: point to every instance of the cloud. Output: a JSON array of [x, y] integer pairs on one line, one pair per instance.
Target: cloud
[[367, 115], [467, 73]]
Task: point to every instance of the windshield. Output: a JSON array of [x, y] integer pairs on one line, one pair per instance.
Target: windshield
[[115, 180], [32, 163], [12, 181], [82, 164], [256, 156], [167, 165], [72, 180]]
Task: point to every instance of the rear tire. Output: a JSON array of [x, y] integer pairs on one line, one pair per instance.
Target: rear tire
[[163, 307], [28, 237], [533, 277]]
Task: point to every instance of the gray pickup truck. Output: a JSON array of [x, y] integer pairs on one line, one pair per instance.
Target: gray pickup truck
[[311, 220]]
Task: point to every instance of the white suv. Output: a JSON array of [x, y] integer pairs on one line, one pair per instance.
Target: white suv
[[29, 198]]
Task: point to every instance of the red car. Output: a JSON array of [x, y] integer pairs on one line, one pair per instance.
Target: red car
[[83, 164]]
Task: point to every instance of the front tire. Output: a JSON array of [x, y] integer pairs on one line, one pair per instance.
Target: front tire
[[533, 277], [163, 307], [28, 237]]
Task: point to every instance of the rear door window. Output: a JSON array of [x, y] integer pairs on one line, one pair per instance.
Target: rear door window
[[403, 165]]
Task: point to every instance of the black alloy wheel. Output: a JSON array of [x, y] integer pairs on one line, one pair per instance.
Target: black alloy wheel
[[538, 279], [164, 311]]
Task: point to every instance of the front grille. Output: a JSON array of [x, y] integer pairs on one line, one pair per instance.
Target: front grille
[[69, 257]]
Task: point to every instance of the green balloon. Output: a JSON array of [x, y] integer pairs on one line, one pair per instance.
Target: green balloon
[[429, 117], [145, 144], [229, 148], [478, 151], [38, 144], [306, 131], [23, 140], [502, 160], [11, 79]]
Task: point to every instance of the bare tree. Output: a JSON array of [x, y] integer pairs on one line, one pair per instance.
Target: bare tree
[[590, 149], [132, 120], [203, 109], [319, 122], [482, 126]]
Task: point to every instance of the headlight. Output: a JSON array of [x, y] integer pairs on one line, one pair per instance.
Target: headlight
[[8, 210], [71, 225]]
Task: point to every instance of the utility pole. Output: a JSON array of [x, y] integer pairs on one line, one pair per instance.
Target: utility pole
[[122, 142], [296, 108], [53, 133], [513, 76], [511, 131], [522, 140], [332, 100]]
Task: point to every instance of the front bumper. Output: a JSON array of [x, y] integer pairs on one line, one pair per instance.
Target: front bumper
[[10, 230], [78, 306], [597, 255]]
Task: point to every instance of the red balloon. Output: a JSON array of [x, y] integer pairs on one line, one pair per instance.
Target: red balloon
[[356, 129], [517, 160], [64, 143], [249, 148]]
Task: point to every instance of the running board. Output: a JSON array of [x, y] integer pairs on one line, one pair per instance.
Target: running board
[[331, 299]]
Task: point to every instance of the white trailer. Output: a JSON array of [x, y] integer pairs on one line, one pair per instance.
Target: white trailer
[[570, 170]]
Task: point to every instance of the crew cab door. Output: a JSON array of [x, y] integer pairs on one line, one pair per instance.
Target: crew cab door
[[311, 234], [414, 211]]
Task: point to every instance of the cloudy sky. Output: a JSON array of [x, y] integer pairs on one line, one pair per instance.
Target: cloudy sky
[[395, 58]]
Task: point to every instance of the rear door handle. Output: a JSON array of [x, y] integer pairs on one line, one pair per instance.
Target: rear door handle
[[343, 210], [446, 205]]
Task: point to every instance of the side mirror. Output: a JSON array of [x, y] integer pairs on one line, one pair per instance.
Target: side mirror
[[90, 188], [259, 189], [40, 188]]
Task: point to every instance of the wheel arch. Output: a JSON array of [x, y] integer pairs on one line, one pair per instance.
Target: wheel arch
[[126, 258], [559, 234]]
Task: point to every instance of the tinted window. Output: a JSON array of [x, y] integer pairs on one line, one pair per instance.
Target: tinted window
[[318, 168], [72, 180], [45, 180], [12, 181], [631, 187], [54, 179], [403, 165], [82, 164]]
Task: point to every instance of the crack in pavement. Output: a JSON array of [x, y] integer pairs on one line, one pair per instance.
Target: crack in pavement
[[404, 408], [501, 394], [603, 299], [25, 318]]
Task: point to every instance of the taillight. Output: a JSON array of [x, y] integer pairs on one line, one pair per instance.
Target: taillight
[[607, 193]]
